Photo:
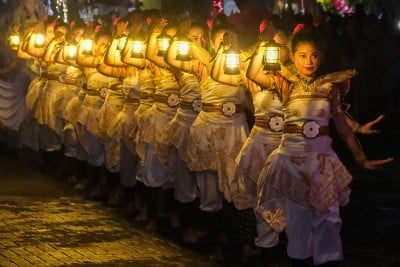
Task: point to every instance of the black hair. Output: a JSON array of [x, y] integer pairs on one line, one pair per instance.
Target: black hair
[[305, 33], [102, 32], [220, 22], [60, 24], [199, 25], [48, 21], [136, 16], [78, 24]]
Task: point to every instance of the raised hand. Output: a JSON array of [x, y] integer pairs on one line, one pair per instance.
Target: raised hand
[[122, 28], [368, 127], [375, 164], [159, 25]]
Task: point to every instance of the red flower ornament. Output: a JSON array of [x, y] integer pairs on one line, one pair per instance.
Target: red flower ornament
[[298, 28]]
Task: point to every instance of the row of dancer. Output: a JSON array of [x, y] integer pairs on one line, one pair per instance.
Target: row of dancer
[[180, 126]]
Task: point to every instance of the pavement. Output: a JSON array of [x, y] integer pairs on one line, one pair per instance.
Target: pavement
[[43, 222]]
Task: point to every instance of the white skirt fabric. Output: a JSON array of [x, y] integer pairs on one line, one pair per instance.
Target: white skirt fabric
[[109, 110], [119, 129], [35, 89], [73, 107], [90, 107], [66, 94], [12, 102], [175, 133], [215, 141], [47, 110]]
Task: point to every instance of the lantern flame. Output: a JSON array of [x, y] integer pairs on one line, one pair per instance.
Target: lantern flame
[[232, 63], [14, 41], [87, 46], [137, 49], [71, 51], [39, 40]]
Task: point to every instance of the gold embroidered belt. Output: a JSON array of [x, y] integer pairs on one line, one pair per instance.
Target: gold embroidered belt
[[92, 92], [71, 81], [79, 82], [273, 123], [172, 100], [195, 105], [131, 100], [50, 76], [116, 87], [309, 129], [228, 109], [144, 95]]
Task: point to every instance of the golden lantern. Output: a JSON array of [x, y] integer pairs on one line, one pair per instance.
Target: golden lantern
[[87, 47], [39, 40], [14, 41], [137, 50], [163, 41], [70, 51], [232, 62], [183, 47], [272, 56]]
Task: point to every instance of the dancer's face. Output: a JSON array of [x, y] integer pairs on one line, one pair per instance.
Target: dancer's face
[[197, 35], [307, 59]]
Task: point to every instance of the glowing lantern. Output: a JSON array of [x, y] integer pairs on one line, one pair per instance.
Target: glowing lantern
[[183, 47], [71, 51], [271, 57], [121, 42], [14, 41], [232, 62], [39, 40], [163, 41], [137, 50], [87, 47]]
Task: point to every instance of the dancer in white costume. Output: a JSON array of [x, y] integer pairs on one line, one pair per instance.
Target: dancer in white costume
[[172, 147], [124, 122], [33, 55], [304, 182], [42, 43], [95, 92], [46, 111], [134, 139], [216, 136], [264, 137], [73, 81], [152, 122]]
